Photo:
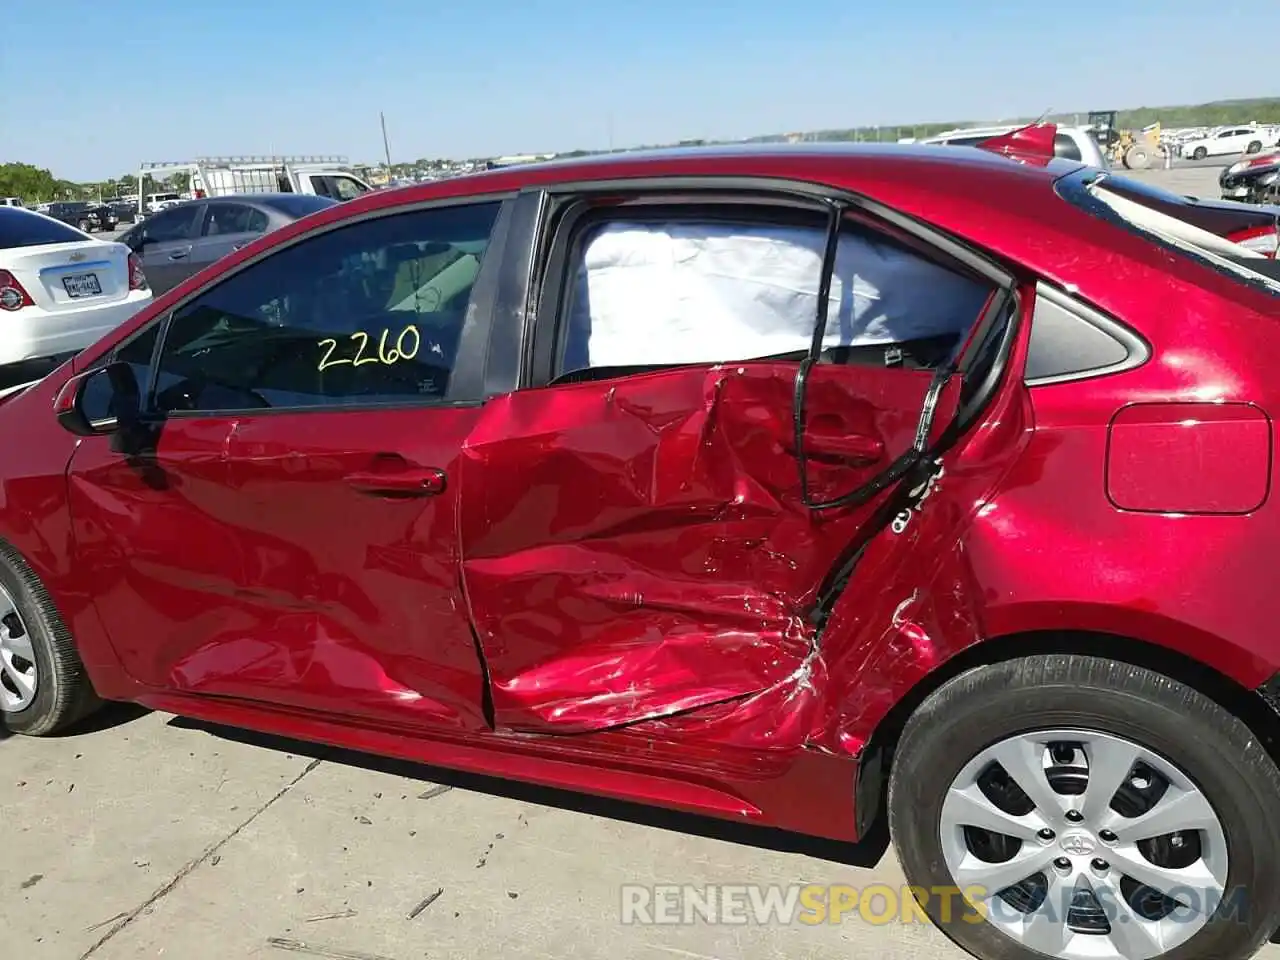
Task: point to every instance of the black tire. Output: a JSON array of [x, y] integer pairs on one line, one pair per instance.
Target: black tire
[[1137, 158], [63, 691], [1254, 147], [988, 704], [1199, 153], [85, 226]]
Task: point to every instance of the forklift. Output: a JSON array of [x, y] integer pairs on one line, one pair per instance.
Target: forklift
[[1135, 152]]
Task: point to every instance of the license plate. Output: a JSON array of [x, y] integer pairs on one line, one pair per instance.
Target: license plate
[[82, 285]]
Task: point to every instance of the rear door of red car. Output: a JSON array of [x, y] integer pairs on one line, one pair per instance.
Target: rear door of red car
[[640, 534]]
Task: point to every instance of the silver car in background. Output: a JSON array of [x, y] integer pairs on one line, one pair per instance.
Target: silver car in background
[[181, 240], [1070, 143]]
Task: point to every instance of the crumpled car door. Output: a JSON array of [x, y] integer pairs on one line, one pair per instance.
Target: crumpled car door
[[640, 547]]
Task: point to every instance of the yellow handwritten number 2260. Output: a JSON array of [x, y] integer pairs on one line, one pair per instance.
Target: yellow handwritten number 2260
[[407, 345]]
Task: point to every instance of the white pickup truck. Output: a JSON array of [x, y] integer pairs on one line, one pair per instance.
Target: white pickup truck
[[323, 176]]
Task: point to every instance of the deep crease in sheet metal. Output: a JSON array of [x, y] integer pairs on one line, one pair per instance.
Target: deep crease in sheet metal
[[637, 552]]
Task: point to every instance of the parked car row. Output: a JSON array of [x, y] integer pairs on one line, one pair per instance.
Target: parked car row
[[60, 289]]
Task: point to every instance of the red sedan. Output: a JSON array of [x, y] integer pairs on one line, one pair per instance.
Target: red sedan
[[800, 486]]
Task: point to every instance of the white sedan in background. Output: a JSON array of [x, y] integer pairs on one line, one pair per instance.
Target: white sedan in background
[[60, 291], [1230, 141]]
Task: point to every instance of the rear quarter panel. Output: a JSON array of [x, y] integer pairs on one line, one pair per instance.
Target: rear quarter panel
[[1048, 550]]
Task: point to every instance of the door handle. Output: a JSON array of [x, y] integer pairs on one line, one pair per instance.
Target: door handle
[[855, 449], [179, 255], [420, 482]]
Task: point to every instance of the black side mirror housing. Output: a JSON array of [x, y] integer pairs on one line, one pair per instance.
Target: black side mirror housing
[[99, 402]]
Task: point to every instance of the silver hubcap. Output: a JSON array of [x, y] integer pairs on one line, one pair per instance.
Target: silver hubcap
[[17, 658], [1084, 846]]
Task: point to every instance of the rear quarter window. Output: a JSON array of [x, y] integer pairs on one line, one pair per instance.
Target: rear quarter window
[[22, 228]]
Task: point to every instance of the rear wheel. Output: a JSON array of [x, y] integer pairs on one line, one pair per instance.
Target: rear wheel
[[85, 226], [43, 685], [1199, 153], [1254, 147], [1089, 810]]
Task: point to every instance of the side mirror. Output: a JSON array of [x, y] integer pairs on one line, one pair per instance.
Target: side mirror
[[99, 402]]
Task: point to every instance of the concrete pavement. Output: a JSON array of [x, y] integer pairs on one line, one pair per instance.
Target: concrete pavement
[[155, 837], [148, 836]]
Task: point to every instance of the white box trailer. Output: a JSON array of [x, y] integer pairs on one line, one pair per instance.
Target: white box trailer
[[323, 176]]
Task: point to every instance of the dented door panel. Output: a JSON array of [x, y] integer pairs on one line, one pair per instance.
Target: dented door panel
[[638, 548], [915, 601]]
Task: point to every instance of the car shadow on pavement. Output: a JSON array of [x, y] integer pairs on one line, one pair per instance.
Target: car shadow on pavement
[[109, 715], [866, 853]]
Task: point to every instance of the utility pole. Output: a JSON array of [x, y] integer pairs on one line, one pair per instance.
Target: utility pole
[[386, 144]]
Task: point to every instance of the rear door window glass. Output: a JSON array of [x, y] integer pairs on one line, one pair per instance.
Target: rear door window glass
[[689, 291], [224, 218]]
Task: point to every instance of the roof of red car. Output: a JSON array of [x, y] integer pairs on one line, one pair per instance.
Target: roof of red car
[[805, 161]]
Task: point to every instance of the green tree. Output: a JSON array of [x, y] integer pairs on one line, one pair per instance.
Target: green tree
[[32, 184]]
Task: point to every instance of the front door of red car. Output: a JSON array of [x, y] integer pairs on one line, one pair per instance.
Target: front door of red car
[[332, 519], [154, 528], [640, 536]]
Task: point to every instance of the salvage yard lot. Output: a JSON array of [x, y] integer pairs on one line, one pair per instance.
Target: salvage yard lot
[[146, 836]]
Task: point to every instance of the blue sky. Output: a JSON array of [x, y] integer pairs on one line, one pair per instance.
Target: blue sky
[[490, 77]]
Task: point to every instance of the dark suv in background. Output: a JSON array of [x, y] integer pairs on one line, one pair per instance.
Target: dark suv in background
[[83, 215]]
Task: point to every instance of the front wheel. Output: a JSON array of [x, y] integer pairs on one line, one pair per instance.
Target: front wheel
[[1074, 807], [1254, 147], [85, 226], [43, 685], [1199, 153]]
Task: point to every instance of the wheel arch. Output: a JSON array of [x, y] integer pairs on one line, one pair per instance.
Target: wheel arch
[[1258, 709]]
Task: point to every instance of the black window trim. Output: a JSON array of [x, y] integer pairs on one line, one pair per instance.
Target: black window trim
[[1137, 349], [572, 200], [471, 350]]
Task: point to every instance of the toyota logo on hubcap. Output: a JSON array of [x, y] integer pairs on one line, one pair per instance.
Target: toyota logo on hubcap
[[1077, 844]]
